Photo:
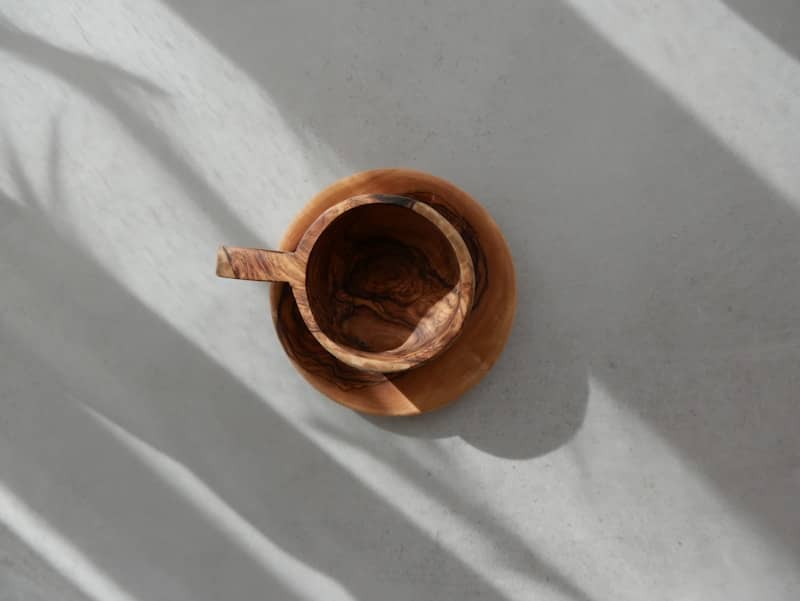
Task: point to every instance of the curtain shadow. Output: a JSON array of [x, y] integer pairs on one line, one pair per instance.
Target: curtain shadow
[[135, 527], [776, 19], [648, 254], [74, 337], [23, 571], [121, 93], [517, 553]]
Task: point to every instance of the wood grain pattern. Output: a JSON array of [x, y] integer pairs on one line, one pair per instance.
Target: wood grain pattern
[[383, 282], [378, 272], [484, 331], [258, 264]]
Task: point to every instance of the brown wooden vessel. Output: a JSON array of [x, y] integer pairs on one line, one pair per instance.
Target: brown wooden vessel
[[484, 331], [383, 282]]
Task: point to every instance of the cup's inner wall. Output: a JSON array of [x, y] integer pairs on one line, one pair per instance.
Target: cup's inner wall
[[375, 272]]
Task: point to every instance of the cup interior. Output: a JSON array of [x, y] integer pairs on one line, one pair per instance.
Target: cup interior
[[377, 274]]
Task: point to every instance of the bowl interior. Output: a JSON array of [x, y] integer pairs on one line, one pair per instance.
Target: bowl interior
[[373, 275]]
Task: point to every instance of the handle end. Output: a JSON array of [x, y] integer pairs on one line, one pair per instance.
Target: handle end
[[224, 265]]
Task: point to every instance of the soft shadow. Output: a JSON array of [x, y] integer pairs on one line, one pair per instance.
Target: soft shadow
[[121, 93], [646, 251], [518, 554], [23, 571], [135, 527], [778, 20], [84, 340], [532, 402]]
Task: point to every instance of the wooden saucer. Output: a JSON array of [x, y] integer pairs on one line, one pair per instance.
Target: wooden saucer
[[485, 331]]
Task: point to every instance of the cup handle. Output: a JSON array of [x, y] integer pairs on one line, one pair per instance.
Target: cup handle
[[259, 265]]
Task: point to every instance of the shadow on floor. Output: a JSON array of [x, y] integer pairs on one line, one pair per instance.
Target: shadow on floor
[[648, 254], [100, 386], [776, 19]]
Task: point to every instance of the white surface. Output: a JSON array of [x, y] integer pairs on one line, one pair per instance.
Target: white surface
[[639, 438]]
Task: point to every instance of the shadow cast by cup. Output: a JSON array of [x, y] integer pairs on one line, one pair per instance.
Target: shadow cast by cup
[[532, 402]]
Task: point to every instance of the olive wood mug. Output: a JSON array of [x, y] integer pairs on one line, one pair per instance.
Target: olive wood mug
[[383, 282]]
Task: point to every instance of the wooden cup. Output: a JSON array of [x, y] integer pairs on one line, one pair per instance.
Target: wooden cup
[[383, 282]]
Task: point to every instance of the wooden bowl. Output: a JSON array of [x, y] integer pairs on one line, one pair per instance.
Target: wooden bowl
[[484, 330], [383, 282]]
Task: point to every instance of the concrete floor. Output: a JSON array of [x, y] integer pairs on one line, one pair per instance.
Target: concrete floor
[[639, 437]]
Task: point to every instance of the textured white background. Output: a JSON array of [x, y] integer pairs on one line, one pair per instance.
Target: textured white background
[[639, 437]]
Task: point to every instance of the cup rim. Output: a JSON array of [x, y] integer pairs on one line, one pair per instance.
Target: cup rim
[[397, 359]]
